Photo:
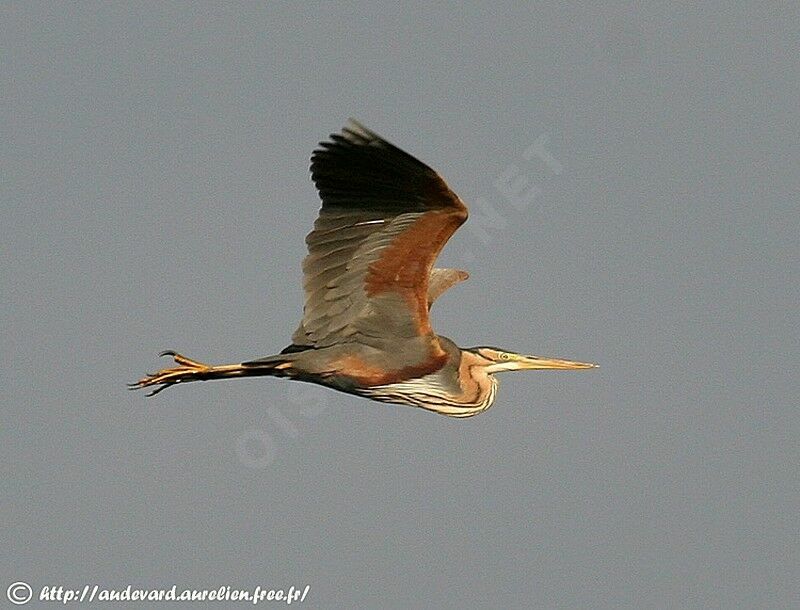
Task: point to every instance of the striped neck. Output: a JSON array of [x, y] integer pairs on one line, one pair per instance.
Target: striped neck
[[462, 391]]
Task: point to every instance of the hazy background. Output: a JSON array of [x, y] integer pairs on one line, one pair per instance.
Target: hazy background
[[155, 195]]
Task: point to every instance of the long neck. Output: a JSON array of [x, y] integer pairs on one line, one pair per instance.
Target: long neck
[[478, 388], [461, 389]]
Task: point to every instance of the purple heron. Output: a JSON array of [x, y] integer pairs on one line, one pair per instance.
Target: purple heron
[[369, 284]]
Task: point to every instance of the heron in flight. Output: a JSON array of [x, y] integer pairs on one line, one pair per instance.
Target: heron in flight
[[369, 284]]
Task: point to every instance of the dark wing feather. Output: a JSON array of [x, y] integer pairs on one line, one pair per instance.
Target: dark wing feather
[[385, 216]]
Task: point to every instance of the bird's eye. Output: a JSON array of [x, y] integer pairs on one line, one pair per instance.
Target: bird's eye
[[505, 356]]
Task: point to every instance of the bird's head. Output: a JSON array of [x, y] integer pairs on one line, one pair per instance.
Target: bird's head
[[495, 360]]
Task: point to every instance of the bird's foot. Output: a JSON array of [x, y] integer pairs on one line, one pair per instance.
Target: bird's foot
[[188, 370]]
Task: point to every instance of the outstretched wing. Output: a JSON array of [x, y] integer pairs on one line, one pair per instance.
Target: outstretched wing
[[385, 217], [441, 280]]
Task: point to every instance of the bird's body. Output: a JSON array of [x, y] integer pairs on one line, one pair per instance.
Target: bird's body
[[451, 389], [369, 283]]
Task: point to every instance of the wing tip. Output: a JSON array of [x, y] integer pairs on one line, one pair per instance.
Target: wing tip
[[356, 133]]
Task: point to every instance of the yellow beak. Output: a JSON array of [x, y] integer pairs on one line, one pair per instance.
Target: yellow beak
[[508, 361], [539, 363]]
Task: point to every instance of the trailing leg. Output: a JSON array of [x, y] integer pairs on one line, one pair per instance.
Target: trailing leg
[[192, 370]]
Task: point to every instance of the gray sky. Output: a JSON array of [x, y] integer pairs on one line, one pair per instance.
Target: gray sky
[[155, 195]]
